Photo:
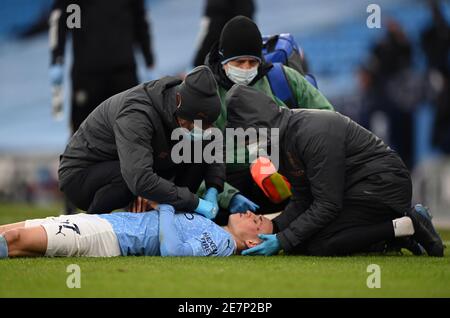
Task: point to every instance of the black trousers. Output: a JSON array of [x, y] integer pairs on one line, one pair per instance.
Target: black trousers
[[101, 188], [90, 89], [366, 220], [356, 230]]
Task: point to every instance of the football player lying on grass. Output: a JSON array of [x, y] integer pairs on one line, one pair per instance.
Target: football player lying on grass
[[157, 232]]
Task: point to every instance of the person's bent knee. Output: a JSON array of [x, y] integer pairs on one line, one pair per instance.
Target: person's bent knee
[[321, 252], [71, 190], [323, 249]]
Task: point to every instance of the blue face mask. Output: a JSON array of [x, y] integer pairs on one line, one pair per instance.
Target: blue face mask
[[195, 134]]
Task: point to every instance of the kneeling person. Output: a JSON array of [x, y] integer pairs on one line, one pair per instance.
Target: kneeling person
[[349, 189], [157, 232]]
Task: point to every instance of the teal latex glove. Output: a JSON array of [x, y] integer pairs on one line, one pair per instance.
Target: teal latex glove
[[212, 195], [207, 209], [269, 246]]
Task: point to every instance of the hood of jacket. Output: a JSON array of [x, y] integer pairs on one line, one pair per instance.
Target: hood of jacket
[[162, 95], [250, 108]]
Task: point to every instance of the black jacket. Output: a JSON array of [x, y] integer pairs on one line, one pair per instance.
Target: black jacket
[[105, 42], [329, 160], [135, 127]]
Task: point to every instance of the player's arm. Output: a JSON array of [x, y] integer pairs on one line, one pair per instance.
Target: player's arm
[[170, 243]]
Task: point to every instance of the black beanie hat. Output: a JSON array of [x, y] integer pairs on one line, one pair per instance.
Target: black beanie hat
[[199, 98], [240, 37]]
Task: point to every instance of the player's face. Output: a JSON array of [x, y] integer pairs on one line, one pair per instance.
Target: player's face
[[249, 224]]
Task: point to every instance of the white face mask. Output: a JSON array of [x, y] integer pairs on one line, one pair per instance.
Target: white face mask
[[241, 76]]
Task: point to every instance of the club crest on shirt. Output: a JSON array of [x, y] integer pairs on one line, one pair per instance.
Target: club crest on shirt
[[189, 216]]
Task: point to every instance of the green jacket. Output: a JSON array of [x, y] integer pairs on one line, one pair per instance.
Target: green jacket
[[307, 96]]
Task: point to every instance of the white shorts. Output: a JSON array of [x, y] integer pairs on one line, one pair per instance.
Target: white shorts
[[78, 235]]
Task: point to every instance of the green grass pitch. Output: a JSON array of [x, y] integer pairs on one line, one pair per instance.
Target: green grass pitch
[[237, 276]]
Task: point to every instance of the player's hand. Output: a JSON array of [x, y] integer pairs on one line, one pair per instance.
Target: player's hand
[[269, 246], [239, 203], [141, 204]]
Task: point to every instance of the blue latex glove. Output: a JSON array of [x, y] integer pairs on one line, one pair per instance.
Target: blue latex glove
[[56, 74], [212, 195], [269, 246], [239, 203], [207, 209]]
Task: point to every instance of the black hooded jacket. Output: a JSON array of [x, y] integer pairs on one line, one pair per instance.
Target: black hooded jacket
[[329, 160], [135, 127], [213, 61]]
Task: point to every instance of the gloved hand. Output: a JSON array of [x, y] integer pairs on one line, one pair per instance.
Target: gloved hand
[[207, 209], [269, 246], [212, 195], [56, 74], [239, 203]]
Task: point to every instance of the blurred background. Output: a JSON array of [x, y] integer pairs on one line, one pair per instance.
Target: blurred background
[[393, 80]]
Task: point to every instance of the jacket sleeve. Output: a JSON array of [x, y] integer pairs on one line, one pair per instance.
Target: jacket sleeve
[[307, 95], [57, 31], [143, 32], [297, 205], [133, 132], [324, 158]]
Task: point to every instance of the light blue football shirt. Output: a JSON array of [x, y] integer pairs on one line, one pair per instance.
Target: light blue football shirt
[[138, 233]]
